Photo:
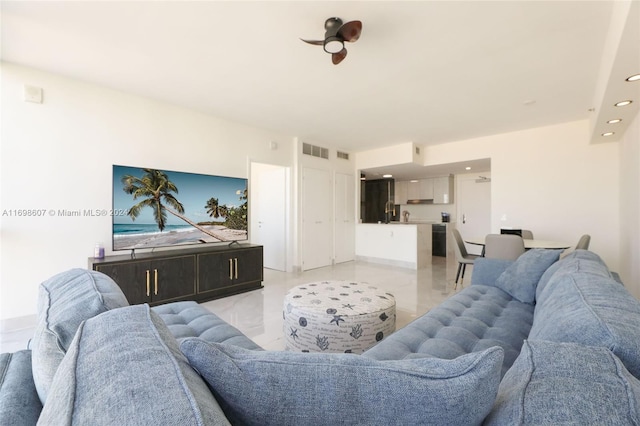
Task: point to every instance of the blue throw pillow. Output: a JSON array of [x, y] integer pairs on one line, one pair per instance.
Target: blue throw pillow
[[566, 383], [521, 278], [487, 270], [291, 388], [125, 368]]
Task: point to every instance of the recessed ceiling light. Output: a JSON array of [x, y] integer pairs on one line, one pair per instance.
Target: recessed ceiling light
[[635, 77], [623, 103], [608, 134], [614, 121], [414, 181], [467, 168], [387, 176]]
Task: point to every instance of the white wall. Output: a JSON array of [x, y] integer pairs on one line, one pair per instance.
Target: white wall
[[550, 180], [59, 155], [630, 207]]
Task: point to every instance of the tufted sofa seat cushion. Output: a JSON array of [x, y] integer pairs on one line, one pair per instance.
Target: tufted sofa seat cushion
[[473, 320], [188, 319]]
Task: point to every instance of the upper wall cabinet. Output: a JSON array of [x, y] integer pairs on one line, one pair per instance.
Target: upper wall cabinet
[[443, 190], [400, 195], [440, 190], [421, 189]]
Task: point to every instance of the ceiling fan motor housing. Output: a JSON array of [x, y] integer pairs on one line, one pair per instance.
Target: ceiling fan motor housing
[[336, 34], [332, 43]]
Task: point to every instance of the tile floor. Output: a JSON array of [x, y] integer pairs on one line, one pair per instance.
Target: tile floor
[[258, 313]]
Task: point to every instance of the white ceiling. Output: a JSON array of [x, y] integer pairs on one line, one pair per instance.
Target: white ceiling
[[423, 71]]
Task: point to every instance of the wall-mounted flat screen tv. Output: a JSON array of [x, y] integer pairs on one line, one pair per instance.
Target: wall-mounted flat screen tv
[[162, 208]]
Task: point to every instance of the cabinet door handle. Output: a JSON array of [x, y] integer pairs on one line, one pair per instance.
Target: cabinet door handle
[[147, 283], [155, 282], [230, 269], [236, 263]]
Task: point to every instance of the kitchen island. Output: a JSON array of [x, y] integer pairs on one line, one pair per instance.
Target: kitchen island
[[401, 244]]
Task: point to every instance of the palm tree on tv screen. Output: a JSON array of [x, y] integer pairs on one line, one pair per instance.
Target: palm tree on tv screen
[[157, 188], [215, 209]]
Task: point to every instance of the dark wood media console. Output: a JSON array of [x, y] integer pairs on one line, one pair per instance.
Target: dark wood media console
[[199, 274]]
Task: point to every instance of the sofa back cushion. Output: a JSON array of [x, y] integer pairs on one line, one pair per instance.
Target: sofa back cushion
[[584, 260], [590, 308], [19, 402], [521, 278], [64, 301], [292, 388], [565, 383], [125, 368]]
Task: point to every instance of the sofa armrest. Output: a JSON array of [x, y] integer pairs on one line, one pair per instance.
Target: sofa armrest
[[486, 271], [19, 402]]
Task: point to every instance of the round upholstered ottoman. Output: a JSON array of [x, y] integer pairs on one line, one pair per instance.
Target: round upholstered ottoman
[[337, 316]]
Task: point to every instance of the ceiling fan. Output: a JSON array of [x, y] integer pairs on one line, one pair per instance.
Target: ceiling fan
[[335, 35]]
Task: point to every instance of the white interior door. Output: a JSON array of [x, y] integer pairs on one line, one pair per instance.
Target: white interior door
[[474, 209], [317, 218], [344, 226], [269, 213]]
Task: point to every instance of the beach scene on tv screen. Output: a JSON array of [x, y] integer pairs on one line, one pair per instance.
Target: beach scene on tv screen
[[160, 208]]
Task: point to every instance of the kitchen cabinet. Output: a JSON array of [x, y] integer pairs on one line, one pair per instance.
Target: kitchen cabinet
[[426, 189], [420, 189], [440, 190], [413, 190], [191, 274], [400, 196], [376, 197], [443, 190], [403, 245]]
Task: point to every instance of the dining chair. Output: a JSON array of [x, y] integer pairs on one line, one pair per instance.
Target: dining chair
[[583, 243], [503, 246], [462, 256], [527, 235]]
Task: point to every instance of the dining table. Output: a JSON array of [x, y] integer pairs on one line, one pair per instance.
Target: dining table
[[528, 244]]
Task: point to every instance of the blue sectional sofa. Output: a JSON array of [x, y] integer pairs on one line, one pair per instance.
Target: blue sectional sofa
[[535, 341]]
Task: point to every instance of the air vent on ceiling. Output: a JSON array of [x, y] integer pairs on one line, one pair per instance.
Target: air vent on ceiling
[[343, 155], [316, 151]]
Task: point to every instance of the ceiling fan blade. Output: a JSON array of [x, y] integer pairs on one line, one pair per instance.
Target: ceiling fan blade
[[350, 31], [336, 58], [314, 42]]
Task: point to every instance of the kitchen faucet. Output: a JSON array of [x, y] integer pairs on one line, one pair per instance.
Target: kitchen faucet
[[389, 207]]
